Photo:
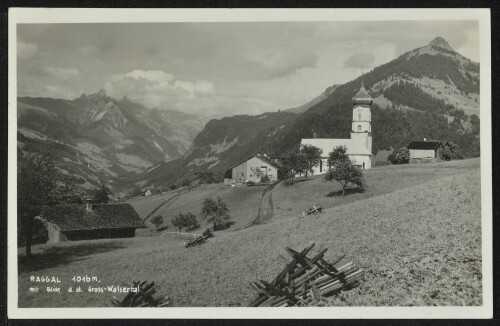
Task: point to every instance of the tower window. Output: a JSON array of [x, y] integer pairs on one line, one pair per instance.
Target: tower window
[[359, 127], [359, 116]]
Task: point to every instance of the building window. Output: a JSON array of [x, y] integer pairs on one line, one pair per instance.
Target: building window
[[359, 127], [359, 116]]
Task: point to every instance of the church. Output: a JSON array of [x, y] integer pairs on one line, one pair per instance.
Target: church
[[359, 146]]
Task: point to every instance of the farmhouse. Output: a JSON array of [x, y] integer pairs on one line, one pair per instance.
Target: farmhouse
[[251, 169], [425, 151], [90, 221], [148, 193], [359, 146]]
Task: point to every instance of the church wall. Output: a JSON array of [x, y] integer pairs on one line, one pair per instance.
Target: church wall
[[360, 159]]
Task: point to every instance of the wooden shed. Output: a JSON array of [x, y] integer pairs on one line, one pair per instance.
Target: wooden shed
[[90, 221], [425, 151]]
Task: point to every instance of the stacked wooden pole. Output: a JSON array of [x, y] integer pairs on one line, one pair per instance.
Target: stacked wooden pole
[[305, 279], [198, 240], [313, 210], [144, 297]]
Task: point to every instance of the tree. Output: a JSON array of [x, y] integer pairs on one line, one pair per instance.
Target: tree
[[215, 211], [337, 155], [37, 185], [178, 221], [451, 152], [400, 156], [102, 195], [294, 163], [190, 221], [205, 176], [182, 220], [312, 156], [347, 174], [157, 221]]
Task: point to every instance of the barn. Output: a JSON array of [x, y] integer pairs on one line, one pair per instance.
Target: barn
[[425, 151], [252, 169], [90, 221]]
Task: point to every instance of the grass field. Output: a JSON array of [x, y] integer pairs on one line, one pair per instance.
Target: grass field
[[242, 202], [416, 232]]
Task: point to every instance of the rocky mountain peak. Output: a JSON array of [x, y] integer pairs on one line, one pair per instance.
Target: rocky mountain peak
[[441, 43]]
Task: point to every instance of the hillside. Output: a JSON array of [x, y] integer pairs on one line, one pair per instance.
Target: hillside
[[106, 138], [419, 243], [223, 142], [431, 92]]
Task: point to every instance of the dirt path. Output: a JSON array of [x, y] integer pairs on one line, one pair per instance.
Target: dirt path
[[170, 200], [266, 206]]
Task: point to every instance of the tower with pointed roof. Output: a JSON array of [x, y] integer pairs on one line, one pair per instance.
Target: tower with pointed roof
[[359, 146], [362, 117]]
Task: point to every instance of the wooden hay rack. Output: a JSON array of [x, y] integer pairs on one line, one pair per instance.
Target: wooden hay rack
[[305, 280]]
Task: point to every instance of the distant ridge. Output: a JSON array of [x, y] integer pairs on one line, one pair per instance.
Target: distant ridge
[[430, 92]]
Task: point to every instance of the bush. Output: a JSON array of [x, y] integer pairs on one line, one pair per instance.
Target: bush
[[173, 187], [265, 179], [157, 221], [401, 156], [250, 183], [451, 152], [187, 221]]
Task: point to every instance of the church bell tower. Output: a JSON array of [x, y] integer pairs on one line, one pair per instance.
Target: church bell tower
[[361, 118]]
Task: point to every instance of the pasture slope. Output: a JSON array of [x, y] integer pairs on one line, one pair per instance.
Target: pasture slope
[[419, 242], [242, 202]]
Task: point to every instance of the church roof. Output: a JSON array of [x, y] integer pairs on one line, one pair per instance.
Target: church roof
[[327, 145], [362, 97]]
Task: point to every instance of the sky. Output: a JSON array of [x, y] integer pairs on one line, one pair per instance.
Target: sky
[[218, 69]]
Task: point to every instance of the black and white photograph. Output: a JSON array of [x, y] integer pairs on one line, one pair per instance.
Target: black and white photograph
[[234, 160]]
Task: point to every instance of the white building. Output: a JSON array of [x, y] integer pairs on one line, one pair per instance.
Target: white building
[[359, 146], [252, 169]]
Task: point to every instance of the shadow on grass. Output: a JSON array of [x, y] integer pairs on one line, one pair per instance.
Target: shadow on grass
[[348, 191], [224, 226], [63, 255]]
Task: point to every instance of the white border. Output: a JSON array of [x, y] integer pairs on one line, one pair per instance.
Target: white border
[[58, 15]]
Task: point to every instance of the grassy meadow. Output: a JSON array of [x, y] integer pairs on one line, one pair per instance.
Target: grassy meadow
[[416, 231]]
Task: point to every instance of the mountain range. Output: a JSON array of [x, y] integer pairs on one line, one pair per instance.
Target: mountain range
[[431, 92], [106, 139]]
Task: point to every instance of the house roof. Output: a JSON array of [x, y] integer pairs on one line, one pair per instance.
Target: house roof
[[327, 145], [424, 145], [103, 216], [260, 157]]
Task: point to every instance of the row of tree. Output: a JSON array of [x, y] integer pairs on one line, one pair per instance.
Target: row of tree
[[214, 211]]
